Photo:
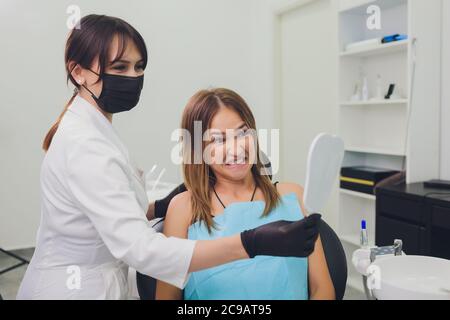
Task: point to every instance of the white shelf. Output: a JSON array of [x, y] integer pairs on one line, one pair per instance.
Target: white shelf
[[385, 133], [399, 102], [358, 194], [360, 6], [383, 48], [374, 131]]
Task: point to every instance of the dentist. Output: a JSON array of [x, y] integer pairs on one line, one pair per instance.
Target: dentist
[[93, 201]]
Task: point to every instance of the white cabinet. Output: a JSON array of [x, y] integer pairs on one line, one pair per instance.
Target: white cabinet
[[401, 133]]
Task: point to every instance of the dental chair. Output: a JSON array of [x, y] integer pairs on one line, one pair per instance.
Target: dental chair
[[324, 162], [334, 253]]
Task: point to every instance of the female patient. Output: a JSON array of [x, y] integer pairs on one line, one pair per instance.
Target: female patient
[[228, 192]]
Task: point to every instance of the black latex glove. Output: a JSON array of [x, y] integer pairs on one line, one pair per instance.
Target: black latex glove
[[283, 238]]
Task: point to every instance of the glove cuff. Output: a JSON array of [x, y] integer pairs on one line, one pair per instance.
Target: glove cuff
[[247, 238]]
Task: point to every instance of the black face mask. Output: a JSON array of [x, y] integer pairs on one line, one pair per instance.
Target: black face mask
[[119, 93]]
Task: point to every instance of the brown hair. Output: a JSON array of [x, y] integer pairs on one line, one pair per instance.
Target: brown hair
[[93, 40], [199, 179]]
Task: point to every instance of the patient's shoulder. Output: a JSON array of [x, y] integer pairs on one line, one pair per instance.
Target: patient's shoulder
[[180, 205], [179, 215], [288, 187], [181, 198]]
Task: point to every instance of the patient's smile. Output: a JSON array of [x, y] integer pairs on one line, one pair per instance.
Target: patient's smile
[[236, 166]]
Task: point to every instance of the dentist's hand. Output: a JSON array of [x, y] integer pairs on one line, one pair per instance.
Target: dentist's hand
[[283, 238]]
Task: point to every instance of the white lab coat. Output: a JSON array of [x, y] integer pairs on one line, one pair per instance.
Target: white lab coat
[[93, 224]]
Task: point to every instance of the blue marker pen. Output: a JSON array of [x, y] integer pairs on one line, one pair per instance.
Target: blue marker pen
[[364, 240]]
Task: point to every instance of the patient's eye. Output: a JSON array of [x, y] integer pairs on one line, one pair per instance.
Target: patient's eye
[[217, 138], [243, 132]]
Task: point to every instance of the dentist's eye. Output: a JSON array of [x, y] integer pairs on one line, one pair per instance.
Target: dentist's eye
[[119, 67], [139, 68]]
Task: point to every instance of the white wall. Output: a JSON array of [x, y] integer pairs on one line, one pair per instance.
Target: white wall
[[263, 57], [192, 44], [307, 91]]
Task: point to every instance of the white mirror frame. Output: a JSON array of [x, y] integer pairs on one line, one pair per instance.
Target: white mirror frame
[[325, 157]]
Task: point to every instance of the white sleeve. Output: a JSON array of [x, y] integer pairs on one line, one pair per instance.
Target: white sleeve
[[98, 180]]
